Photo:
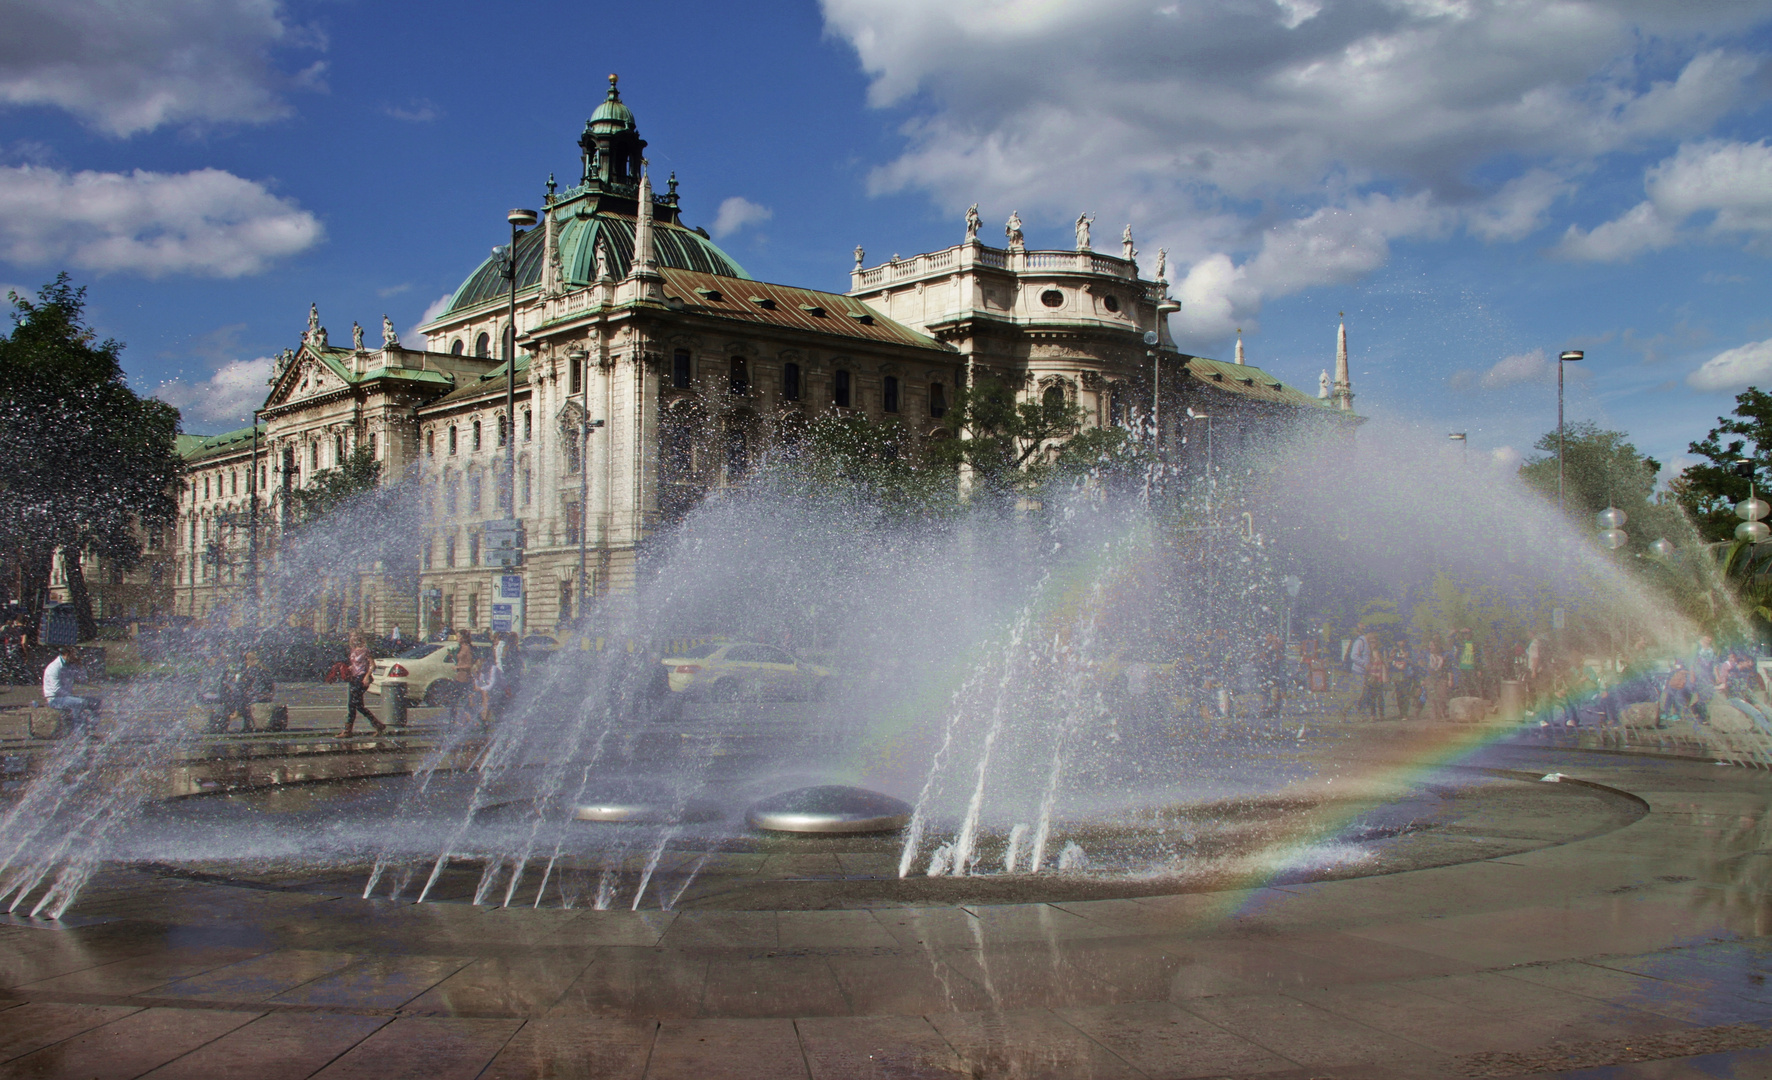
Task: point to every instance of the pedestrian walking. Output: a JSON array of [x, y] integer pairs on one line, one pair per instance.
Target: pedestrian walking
[[1359, 658], [361, 673], [464, 673], [12, 652], [489, 681], [1273, 674], [1405, 681], [1467, 662]]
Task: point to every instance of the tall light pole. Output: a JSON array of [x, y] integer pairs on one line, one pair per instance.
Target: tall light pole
[[1568, 357], [252, 525], [1464, 446], [1150, 341], [518, 219], [1211, 483]]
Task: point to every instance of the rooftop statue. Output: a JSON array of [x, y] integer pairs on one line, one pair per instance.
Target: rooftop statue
[[602, 253], [1126, 247], [389, 339], [973, 221], [1163, 264], [859, 256], [315, 334], [1014, 230], [357, 337], [1323, 386], [1083, 223]]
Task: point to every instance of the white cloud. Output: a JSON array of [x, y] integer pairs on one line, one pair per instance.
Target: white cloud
[[229, 395], [436, 308], [416, 111], [207, 222], [1730, 180], [1204, 123], [131, 67], [1506, 458], [1523, 367], [737, 212], [1742, 366]]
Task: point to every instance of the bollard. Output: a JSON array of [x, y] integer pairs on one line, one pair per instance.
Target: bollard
[[397, 704]]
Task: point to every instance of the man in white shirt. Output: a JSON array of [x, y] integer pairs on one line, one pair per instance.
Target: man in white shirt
[[58, 689]]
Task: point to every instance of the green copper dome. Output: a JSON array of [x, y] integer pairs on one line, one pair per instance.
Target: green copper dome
[[612, 115], [675, 246]]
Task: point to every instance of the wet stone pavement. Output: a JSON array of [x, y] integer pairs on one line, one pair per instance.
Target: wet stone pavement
[[1642, 949]]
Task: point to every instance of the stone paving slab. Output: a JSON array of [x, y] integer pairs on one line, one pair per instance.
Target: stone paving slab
[[1655, 938]]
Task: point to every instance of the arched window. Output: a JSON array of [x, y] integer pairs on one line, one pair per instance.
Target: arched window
[[206, 485], [840, 389], [431, 443], [502, 435], [741, 376], [338, 450], [314, 457], [483, 345], [457, 347], [528, 428], [476, 435], [1116, 404], [1053, 397], [889, 399], [790, 382], [938, 400], [452, 439], [233, 481]]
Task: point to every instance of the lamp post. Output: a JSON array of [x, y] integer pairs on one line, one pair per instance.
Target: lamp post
[[252, 523], [1464, 446], [1750, 510], [1210, 481], [1150, 342], [1568, 357], [518, 219]]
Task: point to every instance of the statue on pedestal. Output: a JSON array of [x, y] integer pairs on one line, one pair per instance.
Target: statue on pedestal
[[1013, 229], [315, 334], [1083, 223], [859, 256], [357, 337], [1163, 265], [1323, 386], [973, 221], [389, 339], [1128, 251]]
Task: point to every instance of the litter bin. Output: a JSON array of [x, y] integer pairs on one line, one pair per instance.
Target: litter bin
[[395, 693], [1512, 706]]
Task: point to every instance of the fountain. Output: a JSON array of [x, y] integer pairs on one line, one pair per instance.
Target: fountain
[[1027, 704]]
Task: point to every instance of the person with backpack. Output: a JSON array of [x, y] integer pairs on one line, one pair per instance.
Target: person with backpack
[[360, 669]]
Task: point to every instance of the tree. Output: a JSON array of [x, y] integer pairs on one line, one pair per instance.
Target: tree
[[90, 466], [333, 488], [1004, 442], [1709, 490], [1602, 468]]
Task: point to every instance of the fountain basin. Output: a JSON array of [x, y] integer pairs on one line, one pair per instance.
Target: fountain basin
[[829, 808]]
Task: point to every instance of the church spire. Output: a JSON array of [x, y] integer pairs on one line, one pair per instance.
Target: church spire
[[1344, 384], [1239, 346]]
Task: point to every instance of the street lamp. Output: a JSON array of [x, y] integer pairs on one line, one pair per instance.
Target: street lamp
[[586, 425], [1751, 509], [1464, 446], [1150, 344], [1210, 482], [1569, 357], [510, 531]]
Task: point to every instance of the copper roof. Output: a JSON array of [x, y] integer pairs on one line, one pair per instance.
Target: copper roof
[[765, 304], [1248, 381], [195, 448]]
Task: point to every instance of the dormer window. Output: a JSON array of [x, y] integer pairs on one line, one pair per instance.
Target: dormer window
[[712, 296], [763, 302], [862, 317], [813, 310]]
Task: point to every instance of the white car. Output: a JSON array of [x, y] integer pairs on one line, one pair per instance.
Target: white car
[[427, 671], [730, 670]]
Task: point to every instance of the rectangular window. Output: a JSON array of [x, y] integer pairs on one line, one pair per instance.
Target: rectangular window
[[429, 550], [502, 434], [889, 401], [680, 370], [430, 444], [938, 400], [574, 522], [566, 588], [473, 549], [313, 457], [449, 551], [840, 390], [338, 449], [474, 609], [452, 439], [741, 376], [451, 495], [527, 482], [575, 374], [790, 382], [473, 494], [528, 425]]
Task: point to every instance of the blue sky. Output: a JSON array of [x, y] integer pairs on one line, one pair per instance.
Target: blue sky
[[1477, 184]]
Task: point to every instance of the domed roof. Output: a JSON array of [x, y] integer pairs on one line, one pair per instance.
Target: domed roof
[[579, 227], [612, 115]]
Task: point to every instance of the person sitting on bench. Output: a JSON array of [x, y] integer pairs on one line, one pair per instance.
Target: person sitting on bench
[[58, 691]]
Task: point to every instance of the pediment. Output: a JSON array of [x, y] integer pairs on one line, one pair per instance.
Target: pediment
[[300, 376]]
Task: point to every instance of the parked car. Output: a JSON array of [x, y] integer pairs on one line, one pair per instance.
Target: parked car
[[539, 648], [427, 671], [730, 670]]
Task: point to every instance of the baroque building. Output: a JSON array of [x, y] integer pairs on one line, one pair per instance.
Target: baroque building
[[647, 370]]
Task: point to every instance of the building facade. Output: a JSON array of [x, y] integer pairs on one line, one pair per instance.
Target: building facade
[[650, 371]]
